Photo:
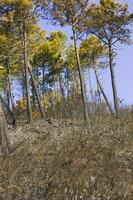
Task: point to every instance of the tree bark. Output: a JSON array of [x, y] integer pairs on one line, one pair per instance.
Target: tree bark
[[36, 91], [102, 91], [91, 90], [25, 52], [64, 112], [9, 112], [23, 83], [43, 80], [4, 141], [11, 99], [33, 97], [8, 95], [113, 81], [86, 117], [98, 89]]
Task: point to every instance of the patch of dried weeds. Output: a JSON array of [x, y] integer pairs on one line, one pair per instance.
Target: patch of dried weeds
[[65, 161]]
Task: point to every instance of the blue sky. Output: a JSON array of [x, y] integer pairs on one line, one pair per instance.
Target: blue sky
[[124, 65]]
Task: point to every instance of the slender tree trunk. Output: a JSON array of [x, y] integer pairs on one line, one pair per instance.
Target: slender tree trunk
[[98, 89], [23, 85], [11, 96], [91, 89], [102, 90], [86, 117], [8, 111], [37, 83], [63, 97], [4, 141], [75, 85], [30, 118], [8, 94], [10, 87], [74, 92], [99, 94], [113, 80], [33, 98], [36, 92], [43, 80]]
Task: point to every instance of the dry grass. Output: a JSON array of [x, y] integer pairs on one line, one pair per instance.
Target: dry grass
[[65, 161]]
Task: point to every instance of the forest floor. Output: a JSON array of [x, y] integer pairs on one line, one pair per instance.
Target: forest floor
[[59, 160]]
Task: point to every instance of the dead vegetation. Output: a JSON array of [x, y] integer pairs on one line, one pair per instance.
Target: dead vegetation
[[56, 160]]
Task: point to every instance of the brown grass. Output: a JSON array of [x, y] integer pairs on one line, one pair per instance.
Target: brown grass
[[68, 162]]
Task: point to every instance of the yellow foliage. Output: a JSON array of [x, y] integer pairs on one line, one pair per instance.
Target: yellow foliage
[[26, 3], [21, 104], [2, 72], [36, 115], [23, 3], [42, 34], [3, 40]]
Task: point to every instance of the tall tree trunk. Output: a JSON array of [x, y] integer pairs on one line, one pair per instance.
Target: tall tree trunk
[[43, 80], [37, 82], [91, 89], [36, 91], [4, 141], [23, 85], [33, 98], [102, 90], [99, 94], [25, 52], [10, 86], [113, 80], [63, 97], [84, 100], [8, 111], [8, 94]]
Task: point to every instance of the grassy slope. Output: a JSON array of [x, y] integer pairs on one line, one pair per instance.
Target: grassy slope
[[60, 161]]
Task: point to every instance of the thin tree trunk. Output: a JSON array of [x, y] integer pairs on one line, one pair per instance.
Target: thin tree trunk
[[102, 91], [86, 117], [8, 96], [23, 85], [63, 98], [8, 111], [33, 98], [30, 118], [113, 81], [4, 141], [36, 92], [99, 94], [75, 85], [43, 80], [91, 90], [10, 87], [11, 96], [37, 83]]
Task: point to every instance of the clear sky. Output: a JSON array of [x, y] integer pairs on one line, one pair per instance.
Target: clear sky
[[124, 64]]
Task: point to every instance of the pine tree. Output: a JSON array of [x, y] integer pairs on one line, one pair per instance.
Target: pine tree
[[68, 12], [93, 55], [109, 20]]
